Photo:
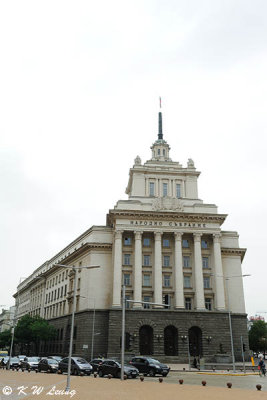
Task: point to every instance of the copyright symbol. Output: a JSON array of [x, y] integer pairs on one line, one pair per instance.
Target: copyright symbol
[[7, 390]]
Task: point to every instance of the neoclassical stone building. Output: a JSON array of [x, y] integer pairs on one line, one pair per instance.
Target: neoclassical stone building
[[167, 247]]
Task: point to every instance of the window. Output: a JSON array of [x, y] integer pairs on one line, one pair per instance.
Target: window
[[166, 261], [159, 152], [178, 190], [166, 300], [186, 262], [188, 303], [208, 303], [163, 152], [52, 296], [167, 281], [127, 241], [165, 189], [127, 259], [206, 282], [187, 281], [204, 244], [166, 243], [185, 243], [56, 280], [146, 260], [146, 242], [61, 293], [205, 262], [126, 280], [151, 189], [127, 303], [146, 280], [148, 299], [65, 290], [58, 293]]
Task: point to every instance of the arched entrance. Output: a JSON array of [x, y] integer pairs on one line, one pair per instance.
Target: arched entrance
[[170, 341], [146, 340], [195, 341]]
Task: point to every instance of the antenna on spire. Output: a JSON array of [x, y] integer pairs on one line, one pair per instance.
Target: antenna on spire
[[160, 134]]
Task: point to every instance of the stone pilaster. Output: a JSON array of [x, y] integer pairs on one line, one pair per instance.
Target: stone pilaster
[[138, 269], [158, 269], [218, 273], [178, 271], [200, 300], [117, 260]]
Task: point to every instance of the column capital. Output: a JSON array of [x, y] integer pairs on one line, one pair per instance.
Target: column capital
[[178, 235], [158, 235], [118, 233], [197, 236], [217, 237], [138, 235]]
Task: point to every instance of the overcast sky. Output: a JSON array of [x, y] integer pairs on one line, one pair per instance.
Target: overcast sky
[[79, 88]]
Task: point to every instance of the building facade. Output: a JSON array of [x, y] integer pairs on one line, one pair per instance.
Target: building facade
[[167, 247]]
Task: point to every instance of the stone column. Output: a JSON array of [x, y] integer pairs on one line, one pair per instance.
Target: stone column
[[158, 269], [138, 269], [218, 273], [174, 188], [200, 300], [178, 271], [117, 271]]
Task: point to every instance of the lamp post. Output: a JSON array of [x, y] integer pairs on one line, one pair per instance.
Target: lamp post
[[124, 300], [74, 269]]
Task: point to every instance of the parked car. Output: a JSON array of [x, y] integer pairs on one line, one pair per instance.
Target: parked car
[[150, 366], [95, 363], [48, 365], [14, 362], [78, 365], [21, 358], [114, 368], [30, 363]]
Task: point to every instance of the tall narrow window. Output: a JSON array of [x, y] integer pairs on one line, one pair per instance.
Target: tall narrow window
[[146, 242], [187, 282], [204, 244], [166, 261], [186, 262], [151, 189], [165, 189], [188, 303], [127, 303], [147, 260], [167, 300], [148, 299], [167, 281], [205, 262], [166, 243], [208, 303], [126, 280], [127, 259], [127, 241], [185, 243], [206, 281], [178, 190], [146, 280]]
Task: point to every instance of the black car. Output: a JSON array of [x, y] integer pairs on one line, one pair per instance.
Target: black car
[[114, 368], [48, 365], [58, 358], [78, 365], [150, 366], [95, 363], [30, 363]]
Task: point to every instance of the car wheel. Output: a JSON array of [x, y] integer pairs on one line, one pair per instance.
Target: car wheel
[[151, 372], [100, 373]]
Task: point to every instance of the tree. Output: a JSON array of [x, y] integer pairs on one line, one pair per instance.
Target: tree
[[5, 339], [258, 336], [33, 330]]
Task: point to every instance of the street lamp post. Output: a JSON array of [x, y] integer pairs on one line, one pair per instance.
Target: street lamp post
[[74, 269], [124, 300]]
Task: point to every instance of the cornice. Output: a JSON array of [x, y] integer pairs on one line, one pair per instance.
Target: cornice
[[174, 216], [233, 252]]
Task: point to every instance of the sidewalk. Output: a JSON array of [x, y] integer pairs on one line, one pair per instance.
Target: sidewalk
[[217, 368]]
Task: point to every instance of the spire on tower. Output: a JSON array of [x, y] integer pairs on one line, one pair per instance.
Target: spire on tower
[[160, 134]]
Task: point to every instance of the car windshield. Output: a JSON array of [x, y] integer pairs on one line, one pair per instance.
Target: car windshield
[[153, 361], [52, 361], [14, 359], [81, 361], [33, 359]]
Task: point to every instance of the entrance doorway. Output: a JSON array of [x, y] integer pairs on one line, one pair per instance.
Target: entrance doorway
[[170, 341], [146, 340], [195, 341]]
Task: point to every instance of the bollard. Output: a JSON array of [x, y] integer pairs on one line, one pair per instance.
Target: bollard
[[258, 387], [204, 383], [160, 379], [181, 381], [142, 378]]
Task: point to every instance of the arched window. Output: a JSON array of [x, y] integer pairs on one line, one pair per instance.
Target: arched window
[[146, 340], [195, 341]]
